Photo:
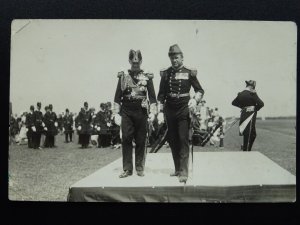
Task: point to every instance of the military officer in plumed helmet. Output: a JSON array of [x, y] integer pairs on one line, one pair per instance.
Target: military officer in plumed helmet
[[175, 104], [249, 103], [131, 102]]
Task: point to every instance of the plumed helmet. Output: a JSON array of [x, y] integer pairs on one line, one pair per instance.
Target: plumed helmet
[[251, 83], [174, 49], [31, 107], [86, 104], [135, 56], [67, 110], [50, 106], [39, 104]]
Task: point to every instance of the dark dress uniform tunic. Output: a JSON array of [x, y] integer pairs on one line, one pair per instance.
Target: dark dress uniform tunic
[[245, 100], [173, 92], [49, 119], [29, 123], [37, 121], [85, 121], [68, 126], [134, 117], [104, 133]]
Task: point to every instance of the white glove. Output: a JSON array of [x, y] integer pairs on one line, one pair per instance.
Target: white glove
[[43, 124], [26, 129], [151, 117], [117, 119], [160, 118], [33, 128], [98, 128], [108, 124], [192, 104], [92, 125], [63, 130], [79, 128], [45, 128], [56, 124]]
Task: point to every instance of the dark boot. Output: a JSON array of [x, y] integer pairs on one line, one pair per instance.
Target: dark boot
[[140, 173], [126, 173], [176, 173]]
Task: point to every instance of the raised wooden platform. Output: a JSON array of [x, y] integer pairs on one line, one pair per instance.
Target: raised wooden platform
[[216, 177]]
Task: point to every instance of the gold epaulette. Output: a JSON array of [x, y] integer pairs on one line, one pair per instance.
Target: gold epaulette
[[193, 71], [162, 72]]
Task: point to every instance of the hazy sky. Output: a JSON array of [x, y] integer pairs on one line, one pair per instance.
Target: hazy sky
[[67, 62]]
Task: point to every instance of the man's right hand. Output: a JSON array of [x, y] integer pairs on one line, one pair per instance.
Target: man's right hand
[[160, 118]]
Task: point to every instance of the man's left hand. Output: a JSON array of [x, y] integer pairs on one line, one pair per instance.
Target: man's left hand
[[192, 105]]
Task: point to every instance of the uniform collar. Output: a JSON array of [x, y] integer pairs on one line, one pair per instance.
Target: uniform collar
[[135, 71], [176, 69], [252, 91]]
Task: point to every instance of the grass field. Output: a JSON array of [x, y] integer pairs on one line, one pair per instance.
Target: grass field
[[45, 175]]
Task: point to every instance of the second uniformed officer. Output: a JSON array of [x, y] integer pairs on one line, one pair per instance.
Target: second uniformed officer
[[174, 100], [131, 101], [250, 103]]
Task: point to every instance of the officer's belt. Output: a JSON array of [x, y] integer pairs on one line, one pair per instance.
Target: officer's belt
[[249, 109], [135, 97], [174, 95]]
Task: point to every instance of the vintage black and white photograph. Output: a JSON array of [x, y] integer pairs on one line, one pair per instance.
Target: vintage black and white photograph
[[116, 110]]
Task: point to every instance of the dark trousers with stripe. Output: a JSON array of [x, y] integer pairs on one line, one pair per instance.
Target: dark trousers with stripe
[[178, 122], [249, 134], [134, 127]]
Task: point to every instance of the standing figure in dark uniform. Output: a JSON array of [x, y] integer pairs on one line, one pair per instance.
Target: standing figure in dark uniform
[[249, 103], [51, 124], [68, 126], [39, 126], [175, 102], [76, 126], [115, 131], [30, 126], [131, 101], [102, 128], [85, 125], [45, 131]]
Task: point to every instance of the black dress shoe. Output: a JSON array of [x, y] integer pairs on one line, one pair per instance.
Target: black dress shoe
[[126, 173], [140, 173], [174, 174], [182, 179]]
